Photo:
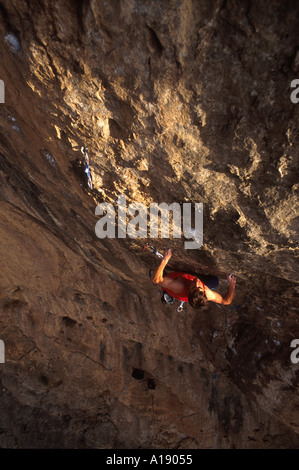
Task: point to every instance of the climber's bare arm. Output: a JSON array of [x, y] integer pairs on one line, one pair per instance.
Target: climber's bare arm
[[157, 276], [228, 297]]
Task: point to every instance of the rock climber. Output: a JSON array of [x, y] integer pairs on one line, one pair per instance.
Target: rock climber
[[190, 288]]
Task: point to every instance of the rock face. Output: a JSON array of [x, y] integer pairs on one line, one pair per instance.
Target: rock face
[[177, 102]]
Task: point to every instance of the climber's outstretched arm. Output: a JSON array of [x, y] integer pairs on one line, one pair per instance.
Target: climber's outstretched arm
[[157, 276], [228, 297]]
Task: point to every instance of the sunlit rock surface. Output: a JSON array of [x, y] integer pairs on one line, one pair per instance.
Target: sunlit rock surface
[[177, 102]]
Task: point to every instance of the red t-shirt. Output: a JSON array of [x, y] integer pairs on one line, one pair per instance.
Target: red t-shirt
[[184, 294]]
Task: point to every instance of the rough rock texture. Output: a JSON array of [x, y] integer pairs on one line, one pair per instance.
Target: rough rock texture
[[177, 101]]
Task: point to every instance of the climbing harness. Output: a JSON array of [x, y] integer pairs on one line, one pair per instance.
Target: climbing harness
[[166, 298], [84, 151]]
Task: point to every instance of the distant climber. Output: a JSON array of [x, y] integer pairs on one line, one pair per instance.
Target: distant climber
[[188, 288]]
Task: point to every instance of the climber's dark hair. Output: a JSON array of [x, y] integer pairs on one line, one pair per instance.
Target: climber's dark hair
[[197, 298]]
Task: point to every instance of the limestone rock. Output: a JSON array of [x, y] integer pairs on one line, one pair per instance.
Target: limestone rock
[[176, 101]]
